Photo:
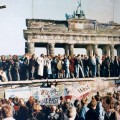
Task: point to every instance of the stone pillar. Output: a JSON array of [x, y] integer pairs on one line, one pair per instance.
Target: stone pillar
[[51, 49], [95, 49], [89, 50], [66, 49], [71, 49], [26, 48], [118, 51], [106, 50], [47, 47], [112, 51], [31, 47]]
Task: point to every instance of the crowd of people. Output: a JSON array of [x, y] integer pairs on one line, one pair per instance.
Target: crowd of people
[[29, 67], [98, 108]]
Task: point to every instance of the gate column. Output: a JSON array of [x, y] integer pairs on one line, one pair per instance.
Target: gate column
[[31, 47], [66, 49], [51, 49], [95, 49], [106, 50], [112, 51], [47, 47], [118, 51], [89, 50], [71, 49]]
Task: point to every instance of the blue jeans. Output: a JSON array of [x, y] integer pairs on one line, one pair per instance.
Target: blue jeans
[[93, 70]]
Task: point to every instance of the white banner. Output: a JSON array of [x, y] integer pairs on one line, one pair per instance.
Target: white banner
[[77, 92], [24, 93], [49, 96], [35, 92]]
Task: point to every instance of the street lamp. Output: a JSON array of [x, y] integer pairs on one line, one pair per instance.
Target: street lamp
[[2, 6]]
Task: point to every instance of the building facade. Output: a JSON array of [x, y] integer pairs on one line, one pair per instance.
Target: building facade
[[75, 32]]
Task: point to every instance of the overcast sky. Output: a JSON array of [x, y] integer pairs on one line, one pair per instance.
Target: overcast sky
[[12, 19]]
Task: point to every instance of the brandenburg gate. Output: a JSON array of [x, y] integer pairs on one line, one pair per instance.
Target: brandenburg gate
[[74, 32]]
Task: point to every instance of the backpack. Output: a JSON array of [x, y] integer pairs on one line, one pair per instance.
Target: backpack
[[59, 65]]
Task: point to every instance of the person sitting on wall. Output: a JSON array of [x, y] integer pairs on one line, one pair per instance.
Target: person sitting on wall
[[3, 76]]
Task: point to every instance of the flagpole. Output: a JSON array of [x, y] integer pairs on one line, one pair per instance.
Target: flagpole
[[32, 9], [113, 9]]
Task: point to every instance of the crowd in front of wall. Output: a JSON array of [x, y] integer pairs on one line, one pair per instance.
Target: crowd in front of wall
[[98, 108], [29, 67]]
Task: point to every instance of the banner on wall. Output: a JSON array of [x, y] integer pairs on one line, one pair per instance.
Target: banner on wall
[[35, 92], [49, 96], [78, 91], [24, 93], [46, 96]]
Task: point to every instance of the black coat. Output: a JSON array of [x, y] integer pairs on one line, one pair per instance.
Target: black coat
[[111, 117], [22, 113], [91, 115], [62, 116], [39, 115]]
